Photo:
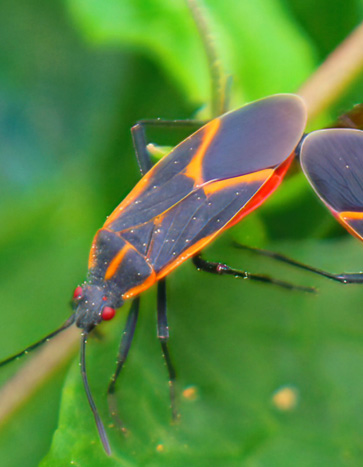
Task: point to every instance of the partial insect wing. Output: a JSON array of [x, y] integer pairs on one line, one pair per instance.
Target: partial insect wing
[[258, 136], [332, 161]]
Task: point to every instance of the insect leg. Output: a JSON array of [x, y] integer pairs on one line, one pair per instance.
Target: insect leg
[[163, 336], [138, 132], [345, 278], [125, 345], [224, 269], [142, 154]]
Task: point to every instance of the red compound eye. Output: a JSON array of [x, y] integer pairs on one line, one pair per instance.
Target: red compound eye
[[108, 313], [78, 293]]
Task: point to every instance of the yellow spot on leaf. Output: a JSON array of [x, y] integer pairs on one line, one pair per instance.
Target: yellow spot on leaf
[[285, 398]]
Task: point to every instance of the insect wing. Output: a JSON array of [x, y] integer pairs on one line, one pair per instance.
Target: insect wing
[[258, 136], [332, 161], [196, 220]]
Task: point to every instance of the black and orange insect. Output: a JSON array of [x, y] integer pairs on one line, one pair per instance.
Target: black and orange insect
[[332, 161], [204, 186]]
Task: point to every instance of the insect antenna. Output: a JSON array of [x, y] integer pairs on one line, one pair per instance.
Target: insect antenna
[[100, 426], [64, 326]]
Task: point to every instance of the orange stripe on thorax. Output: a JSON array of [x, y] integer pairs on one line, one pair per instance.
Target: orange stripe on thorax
[[116, 261], [92, 258], [92, 254], [194, 169]]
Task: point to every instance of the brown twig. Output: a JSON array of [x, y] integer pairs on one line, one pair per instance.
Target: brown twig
[[334, 76], [36, 370]]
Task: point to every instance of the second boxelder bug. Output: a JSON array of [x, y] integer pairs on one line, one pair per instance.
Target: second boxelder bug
[[332, 161], [207, 184]]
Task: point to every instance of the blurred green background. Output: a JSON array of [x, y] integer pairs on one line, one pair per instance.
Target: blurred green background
[[74, 76]]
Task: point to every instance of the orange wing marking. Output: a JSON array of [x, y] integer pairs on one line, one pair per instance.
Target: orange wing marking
[[194, 169], [213, 187], [140, 288], [134, 193], [199, 245], [346, 216], [264, 176], [263, 193]]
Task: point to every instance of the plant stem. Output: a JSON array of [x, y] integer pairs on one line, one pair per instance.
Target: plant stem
[[334, 75]]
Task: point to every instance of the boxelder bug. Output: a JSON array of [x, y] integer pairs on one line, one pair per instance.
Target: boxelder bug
[[207, 184], [332, 161]]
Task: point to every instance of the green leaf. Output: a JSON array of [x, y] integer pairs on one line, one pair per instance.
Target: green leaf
[[259, 44]]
